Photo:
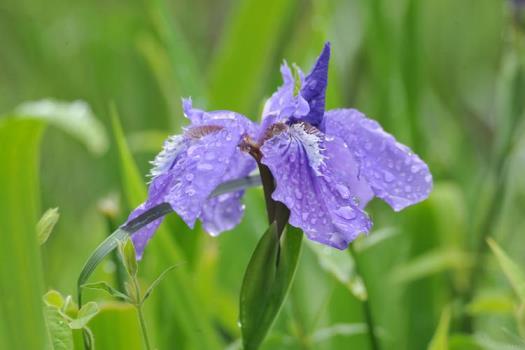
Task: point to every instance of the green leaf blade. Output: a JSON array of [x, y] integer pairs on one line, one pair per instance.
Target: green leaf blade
[[21, 303], [511, 270], [266, 283]]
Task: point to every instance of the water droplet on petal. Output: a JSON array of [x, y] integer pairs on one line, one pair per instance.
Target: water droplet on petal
[[189, 177], [415, 168], [428, 178], [346, 212], [190, 191], [343, 190], [204, 166]]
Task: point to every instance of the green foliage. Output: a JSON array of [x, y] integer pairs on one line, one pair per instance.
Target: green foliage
[[512, 271], [21, 272], [266, 283], [447, 83], [440, 338]]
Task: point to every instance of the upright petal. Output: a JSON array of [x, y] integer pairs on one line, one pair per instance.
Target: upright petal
[[308, 181], [394, 172], [203, 158], [284, 103], [314, 88]]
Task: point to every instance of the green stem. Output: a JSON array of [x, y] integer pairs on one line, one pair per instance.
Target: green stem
[[367, 310], [143, 327], [140, 313]]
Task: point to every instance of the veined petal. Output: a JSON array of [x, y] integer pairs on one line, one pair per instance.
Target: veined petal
[[225, 211], [203, 158], [394, 172], [314, 88], [222, 118], [310, 182]]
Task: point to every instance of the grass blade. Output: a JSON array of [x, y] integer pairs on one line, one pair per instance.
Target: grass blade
[[22, 322]]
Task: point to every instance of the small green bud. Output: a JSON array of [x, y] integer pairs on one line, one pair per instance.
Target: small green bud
[[46, 224], [128, 256]]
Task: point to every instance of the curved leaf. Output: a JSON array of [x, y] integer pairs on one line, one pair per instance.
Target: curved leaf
[[266, 282]]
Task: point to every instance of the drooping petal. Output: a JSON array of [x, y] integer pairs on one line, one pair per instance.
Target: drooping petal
[[156, 192], [394, 172], [224, 212], [222, 118], [314, 88], [203, 158], [310, 182]]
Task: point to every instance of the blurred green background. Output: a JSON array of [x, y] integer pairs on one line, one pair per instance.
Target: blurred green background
[[446, 77]]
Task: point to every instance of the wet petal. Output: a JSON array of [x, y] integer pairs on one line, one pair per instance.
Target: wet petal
[[203, 158], [222, 118], [394, 172], [157, 190], [284, 103], [314, 88], [225, 211], [308, 181]]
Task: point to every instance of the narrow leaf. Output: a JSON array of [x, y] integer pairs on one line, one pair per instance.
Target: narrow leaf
[[440, 339], [237, 185], [511, 270], [156, 282], [22, 323], [266, 282], [106, 288], [46, 224], [85, 314]]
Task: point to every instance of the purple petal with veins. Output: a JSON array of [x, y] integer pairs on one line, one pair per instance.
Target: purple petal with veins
[[394, 172]]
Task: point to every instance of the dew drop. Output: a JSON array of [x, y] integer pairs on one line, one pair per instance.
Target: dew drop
[[190, 191], [414, 168], [346, 212], [428, 178], [343, 190], [204, 166], [189, 177]]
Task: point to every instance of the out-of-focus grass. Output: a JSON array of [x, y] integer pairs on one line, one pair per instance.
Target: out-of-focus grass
[[434, 73]]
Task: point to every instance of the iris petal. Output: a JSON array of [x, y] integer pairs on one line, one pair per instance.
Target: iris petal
[[321, 201], [204, 157], [225, 211], [394, 172], [314, 88]]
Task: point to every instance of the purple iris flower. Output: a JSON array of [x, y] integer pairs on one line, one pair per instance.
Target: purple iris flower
[[190, 166], [326, 165]]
